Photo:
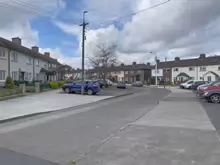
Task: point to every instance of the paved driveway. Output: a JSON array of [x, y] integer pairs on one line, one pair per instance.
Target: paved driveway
[[44, 102]]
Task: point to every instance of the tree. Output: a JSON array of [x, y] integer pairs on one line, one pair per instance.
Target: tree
[[104, 58]]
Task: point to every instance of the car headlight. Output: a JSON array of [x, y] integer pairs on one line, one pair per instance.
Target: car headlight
[[206, 93]]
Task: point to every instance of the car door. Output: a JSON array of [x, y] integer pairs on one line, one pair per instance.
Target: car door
[[77, 86]]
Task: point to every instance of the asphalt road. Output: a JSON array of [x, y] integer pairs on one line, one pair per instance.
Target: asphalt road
[[62, 137], [213, 111]]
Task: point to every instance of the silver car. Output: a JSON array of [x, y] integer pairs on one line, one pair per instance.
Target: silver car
[[137, 84]]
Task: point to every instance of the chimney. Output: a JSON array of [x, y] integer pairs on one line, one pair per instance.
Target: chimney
[[16, 40], [148, 64], [35, 49], [134, 63], [122, 64], [177, 58], [47, 54], [158, 61], [201, 56]]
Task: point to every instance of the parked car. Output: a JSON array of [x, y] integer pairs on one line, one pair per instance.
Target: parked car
[[212, 96], [137, 84], [198, 83], [214, 86], [90, 87], [109, 82], [102, 83], [188, 84], [121, 84]]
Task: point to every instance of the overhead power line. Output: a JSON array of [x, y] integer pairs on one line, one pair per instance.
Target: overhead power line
[[101, 23], [132, 14], [36, 8]]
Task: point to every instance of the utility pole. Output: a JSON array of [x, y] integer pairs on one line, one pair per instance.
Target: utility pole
[[84, 24], [164, 76], [156, 71]]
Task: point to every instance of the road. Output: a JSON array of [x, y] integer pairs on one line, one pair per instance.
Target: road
[[213, 111], [62, 137]]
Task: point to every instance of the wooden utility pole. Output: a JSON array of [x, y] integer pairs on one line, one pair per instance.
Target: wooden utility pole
[[84, 24]]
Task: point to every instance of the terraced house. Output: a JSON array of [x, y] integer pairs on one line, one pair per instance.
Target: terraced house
[[24, 64], [201, 68]]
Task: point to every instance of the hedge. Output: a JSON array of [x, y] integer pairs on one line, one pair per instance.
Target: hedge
[[54, 85], [61, 83]]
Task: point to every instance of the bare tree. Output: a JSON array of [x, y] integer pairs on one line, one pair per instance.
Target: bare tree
[[104, 58]]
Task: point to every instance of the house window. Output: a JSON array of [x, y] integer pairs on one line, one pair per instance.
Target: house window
[[29, 60], [167, 70], [201, 78], [219, 68], [176, 69], [209, 78], [15, 75], [126, 72], [29, 76], [2, 53], [202, 68], [191, 68], [14, 56], [45, 66], [2, 74], [37, 62]]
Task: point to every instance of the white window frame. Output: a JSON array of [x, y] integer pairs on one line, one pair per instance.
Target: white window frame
[[14, 56], [192, 68], [202, 68], [15, 75], [2, 74], [2, 53], [29, 61], [176, 69], [37, 62]]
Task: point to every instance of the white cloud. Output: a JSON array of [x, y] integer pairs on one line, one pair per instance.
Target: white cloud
[[178, 28]]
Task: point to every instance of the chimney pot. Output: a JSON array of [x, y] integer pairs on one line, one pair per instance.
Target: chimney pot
[[202, 55], [47, 54], [177, 58], [35, 49], [16, 40]]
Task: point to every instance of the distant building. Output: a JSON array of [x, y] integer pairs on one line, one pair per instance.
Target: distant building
[[202, 68], [127, 73]]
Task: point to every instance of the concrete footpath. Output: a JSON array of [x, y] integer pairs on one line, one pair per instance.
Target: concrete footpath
[[176, 132], [43, 102]]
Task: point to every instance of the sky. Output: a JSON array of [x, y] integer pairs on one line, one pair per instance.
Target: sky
[[183, 28]]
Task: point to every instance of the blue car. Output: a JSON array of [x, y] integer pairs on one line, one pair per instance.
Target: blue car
[[90, 87]]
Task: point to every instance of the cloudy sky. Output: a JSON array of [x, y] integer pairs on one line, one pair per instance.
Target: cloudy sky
[[184, 28]]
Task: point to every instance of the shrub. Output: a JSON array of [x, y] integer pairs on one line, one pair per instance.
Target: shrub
[[170, 84], [16, 82], [9, 82], [61, 83], [54, 85]]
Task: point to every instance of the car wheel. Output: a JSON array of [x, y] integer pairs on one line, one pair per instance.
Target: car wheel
[[215, 98], [67, 90], [90, 92]]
